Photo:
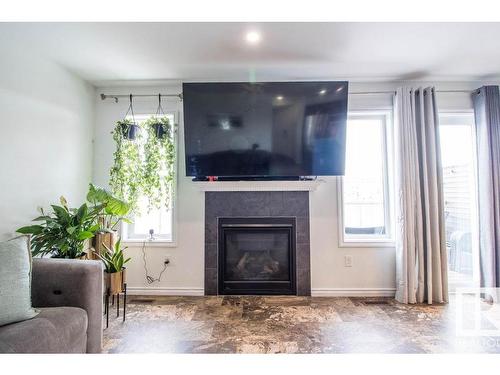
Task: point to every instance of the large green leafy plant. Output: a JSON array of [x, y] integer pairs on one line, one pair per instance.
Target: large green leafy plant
[[113, 259], [159, 160], [125, 174], [63, 232], [111, 210]]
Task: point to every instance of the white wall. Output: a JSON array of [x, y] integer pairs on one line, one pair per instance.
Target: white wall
[[47, 117], [373, 270]]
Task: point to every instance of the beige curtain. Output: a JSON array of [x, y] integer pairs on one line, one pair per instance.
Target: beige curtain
[[421, 261]]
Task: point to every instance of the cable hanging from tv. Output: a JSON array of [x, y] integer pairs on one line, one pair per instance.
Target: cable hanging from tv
[[149, 278]]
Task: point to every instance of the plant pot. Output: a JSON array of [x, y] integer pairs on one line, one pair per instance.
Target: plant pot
[[129, 131], [159, 130], [100, 238], [115, 281]]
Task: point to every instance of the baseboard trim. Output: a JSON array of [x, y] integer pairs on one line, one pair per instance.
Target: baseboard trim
[[315, 292], [165, 291], [353, 292]]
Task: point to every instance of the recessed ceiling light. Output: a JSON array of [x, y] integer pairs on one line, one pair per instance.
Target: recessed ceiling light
[[322, 92], [279, 97], [252, 37]]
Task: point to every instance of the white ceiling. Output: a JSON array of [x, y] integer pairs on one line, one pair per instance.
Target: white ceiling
[[102, 52]]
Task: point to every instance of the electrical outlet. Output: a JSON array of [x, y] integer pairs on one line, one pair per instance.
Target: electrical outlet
[[347, 260]]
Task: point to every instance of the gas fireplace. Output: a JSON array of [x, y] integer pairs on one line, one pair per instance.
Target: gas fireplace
[[257, 255], [257, 242]]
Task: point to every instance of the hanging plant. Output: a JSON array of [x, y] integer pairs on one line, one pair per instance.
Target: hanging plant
[[159, 160], [125, 176], [129, 129]]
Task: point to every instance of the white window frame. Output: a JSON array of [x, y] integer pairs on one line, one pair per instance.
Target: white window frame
[[386, 240], [159, 241]]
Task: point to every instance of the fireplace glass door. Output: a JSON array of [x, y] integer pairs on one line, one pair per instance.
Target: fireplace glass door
[[257, 256]]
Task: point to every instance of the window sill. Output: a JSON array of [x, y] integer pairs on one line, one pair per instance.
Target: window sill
[[157, 243], [368, 243]]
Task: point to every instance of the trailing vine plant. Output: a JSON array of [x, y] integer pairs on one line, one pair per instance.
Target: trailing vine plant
[[125, 174], [159, 161], [144, 168]]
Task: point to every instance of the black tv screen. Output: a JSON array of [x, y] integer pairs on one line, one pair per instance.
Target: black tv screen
[[271, 129]]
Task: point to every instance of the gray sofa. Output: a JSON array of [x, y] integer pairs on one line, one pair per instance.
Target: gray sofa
[[69, 295]]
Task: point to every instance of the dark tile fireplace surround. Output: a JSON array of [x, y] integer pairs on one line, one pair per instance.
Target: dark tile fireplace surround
[[269, 231]]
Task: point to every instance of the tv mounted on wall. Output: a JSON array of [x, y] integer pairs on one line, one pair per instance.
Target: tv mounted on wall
[[265, 130]]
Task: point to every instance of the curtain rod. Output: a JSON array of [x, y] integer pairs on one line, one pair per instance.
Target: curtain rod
[[179, 96], [116, 97], [394, 92]]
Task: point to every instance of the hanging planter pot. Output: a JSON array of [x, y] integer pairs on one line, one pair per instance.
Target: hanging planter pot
[[129, 129], [159, 130], [159, 122]]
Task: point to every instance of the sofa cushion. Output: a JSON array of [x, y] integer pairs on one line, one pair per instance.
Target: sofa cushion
[[54, 330], [15, 281]]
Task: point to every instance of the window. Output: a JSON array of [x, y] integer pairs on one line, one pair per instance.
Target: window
[[160, 221], [365, 217], [458, 160]]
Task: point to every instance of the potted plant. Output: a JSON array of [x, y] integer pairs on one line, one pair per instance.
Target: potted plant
[[125, 173], [110, 212], [114, 270], [62, 233], [159, 161], [129, 129], [160, 125]]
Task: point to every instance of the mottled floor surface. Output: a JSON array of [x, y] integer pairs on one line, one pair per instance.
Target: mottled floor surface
[[295, 325]]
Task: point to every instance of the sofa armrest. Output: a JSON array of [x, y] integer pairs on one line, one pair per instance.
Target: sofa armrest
[[71, 282]]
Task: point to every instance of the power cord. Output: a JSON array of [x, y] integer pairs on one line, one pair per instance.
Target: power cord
[[151, 279]]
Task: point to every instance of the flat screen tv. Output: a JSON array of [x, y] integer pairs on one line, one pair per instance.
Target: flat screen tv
[[268, 130]]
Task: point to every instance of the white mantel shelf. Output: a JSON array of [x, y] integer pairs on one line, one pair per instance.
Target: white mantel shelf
[[258, 185]]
